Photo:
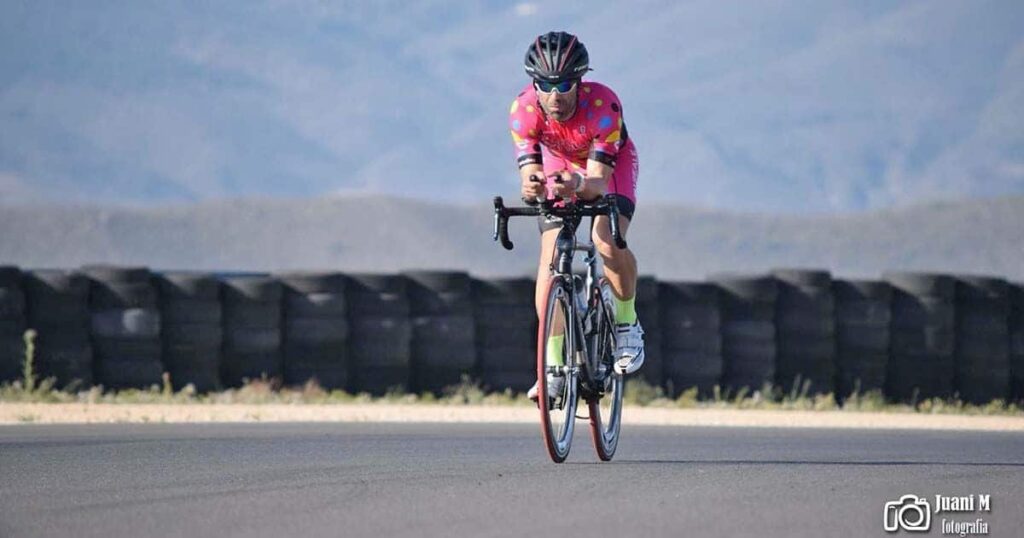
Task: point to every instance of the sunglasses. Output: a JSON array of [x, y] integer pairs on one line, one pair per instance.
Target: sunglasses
[[561, 87]]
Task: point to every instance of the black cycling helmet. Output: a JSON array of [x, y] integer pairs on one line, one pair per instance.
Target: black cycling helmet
[[556, 57]]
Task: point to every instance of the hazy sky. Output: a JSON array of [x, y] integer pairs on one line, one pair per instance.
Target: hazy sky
[[785, 106]]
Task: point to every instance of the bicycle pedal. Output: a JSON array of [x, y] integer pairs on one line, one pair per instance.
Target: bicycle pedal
[[557, 403]]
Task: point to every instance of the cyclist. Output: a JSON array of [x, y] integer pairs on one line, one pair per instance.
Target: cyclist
[[567, 127]]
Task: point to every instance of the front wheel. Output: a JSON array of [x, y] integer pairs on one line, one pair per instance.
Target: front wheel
[[557, 413], [606, 409]]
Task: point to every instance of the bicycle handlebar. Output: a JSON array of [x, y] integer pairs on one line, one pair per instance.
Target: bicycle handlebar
[[605, 205]]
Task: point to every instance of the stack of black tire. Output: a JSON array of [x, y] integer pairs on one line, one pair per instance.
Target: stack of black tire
[[748, 330], [58, 309], [691, 319], [125, 319], [805, 331], [506, 333], [191, 326], [863, 315], [12, 324], [647, 311], [1017, 342], [444, 332], [380, 333], [922, 336], [252, 329], [982, 355], [316, 329]]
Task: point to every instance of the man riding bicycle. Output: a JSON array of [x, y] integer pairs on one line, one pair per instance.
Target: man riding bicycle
[[572, 131]]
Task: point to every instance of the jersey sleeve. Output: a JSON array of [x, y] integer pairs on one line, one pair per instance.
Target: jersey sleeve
[[523, 122], [605, 114]]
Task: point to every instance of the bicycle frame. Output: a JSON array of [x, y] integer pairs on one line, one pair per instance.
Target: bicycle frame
[[588, 335], [566, 246], [583, 315]]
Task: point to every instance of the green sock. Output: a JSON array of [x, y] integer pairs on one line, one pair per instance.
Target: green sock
[[625, 311], [555, 346]]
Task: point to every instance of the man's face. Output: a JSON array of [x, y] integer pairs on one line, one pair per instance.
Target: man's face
[[558, 106]]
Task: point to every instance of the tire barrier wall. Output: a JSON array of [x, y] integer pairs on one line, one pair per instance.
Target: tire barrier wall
[[12, 323], [863, 313], [691, 321], [380, 336], [315, 329], [506, 333], [125, 327], [191, 319], [57, 304], [805, 331], [982, 340], [653, 370], [1016, 342], [913, 335], [443, 328], [252, 329], [922, 336], [748, 330]]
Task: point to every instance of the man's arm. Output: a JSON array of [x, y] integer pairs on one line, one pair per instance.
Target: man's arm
[[587, 186], [596, 182]]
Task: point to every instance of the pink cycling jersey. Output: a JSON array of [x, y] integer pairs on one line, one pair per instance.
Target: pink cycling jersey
[[595, 131]]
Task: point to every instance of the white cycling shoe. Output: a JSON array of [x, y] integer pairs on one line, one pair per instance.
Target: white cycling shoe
[[555, 386], [629, 348]]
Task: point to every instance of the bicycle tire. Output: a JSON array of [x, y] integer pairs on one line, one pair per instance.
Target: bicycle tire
[[557, 425], [606, 410]]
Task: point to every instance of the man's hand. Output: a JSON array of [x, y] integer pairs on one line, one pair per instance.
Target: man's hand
[[567, 187], [533, 187]]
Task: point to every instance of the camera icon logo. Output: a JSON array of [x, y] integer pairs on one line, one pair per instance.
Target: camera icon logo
[[911, 513]]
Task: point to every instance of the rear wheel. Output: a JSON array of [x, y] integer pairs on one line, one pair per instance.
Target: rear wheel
[[558, 413], [606, 409]]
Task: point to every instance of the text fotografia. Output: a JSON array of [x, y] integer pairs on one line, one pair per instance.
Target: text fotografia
[[978, 527], [914, 514]]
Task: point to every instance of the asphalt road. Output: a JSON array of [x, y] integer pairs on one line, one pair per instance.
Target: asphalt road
[[284, 480]]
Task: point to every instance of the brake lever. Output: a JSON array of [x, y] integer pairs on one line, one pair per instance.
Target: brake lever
[[557, 179], [613, 221]]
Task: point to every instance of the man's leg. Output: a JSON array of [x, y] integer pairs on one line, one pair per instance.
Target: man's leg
[[619, 264], [547, 254], [555, 344], [620, 270]]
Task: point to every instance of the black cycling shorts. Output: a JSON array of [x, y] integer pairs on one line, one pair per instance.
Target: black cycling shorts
[[626, 209]]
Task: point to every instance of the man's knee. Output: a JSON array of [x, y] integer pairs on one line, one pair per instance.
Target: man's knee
[[606, 248], [603, 242]]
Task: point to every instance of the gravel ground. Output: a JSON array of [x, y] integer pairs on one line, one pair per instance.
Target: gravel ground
[[15, 413]]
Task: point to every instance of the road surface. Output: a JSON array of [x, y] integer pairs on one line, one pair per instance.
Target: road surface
[[284, 480]]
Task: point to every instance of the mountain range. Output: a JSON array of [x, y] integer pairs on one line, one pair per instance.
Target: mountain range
[[389, 234]]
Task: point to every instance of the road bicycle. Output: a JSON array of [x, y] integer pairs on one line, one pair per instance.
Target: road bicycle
[[578, 308]]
